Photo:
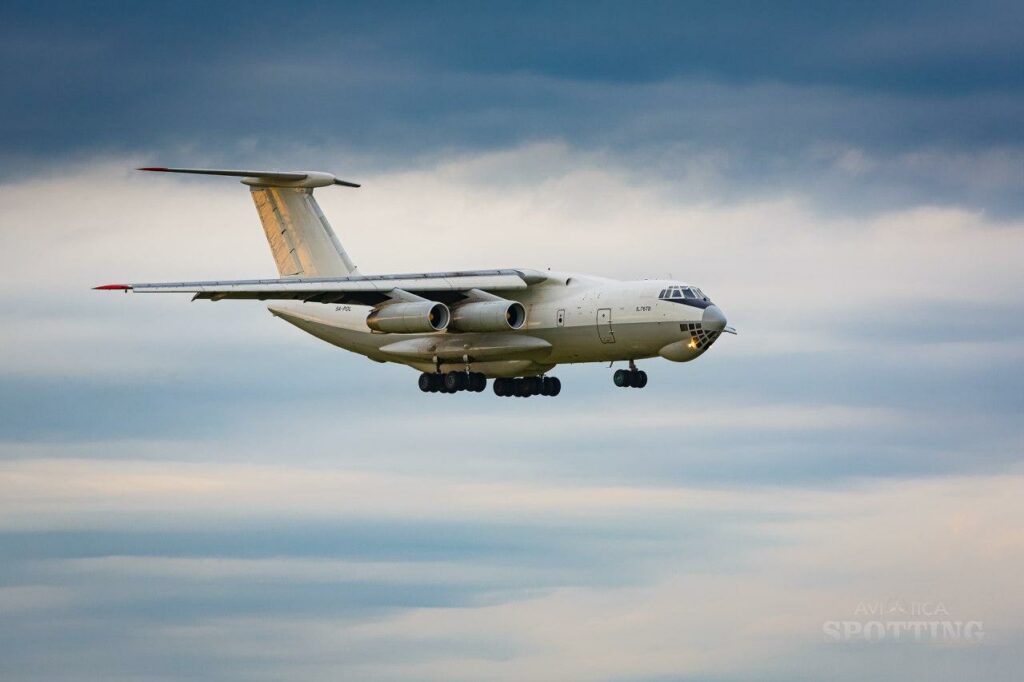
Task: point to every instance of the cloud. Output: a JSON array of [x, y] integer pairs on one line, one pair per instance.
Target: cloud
[[66, 491], [763, 92], [729, 582]]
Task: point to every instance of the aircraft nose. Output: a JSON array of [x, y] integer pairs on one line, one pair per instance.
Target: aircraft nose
[[714, 319]]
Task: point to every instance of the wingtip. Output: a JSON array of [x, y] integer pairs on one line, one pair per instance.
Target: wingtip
[[113, 287], [152, 168]]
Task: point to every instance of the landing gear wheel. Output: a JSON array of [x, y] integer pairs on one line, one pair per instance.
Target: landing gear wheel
[[622, 378], [425, 382], [526, 386], [639, 379], [478, 382], [551, 386], [454, 381]]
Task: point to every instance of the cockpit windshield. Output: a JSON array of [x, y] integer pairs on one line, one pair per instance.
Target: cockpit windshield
[[679, 291]]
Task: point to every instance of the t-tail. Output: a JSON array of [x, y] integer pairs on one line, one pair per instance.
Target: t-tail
[[301, 239]]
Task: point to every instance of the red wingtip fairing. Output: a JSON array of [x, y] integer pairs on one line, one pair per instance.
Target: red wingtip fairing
[[113, 287]]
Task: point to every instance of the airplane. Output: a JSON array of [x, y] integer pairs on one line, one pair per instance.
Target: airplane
[[458, 329]]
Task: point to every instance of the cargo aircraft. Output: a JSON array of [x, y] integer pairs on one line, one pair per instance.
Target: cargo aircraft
[[456, 328]]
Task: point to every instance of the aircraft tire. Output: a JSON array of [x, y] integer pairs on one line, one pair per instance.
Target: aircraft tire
[[425, 382], [479, 382], [640, 379], [454, 381], [622, 378], [555, 387]]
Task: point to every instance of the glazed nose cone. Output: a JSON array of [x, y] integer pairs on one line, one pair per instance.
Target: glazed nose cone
[[714, 319]]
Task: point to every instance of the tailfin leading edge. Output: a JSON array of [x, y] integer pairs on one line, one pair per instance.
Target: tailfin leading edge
[[300, 238]]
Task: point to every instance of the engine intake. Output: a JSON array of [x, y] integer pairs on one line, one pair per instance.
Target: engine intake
[[409, 318], [488, 316]]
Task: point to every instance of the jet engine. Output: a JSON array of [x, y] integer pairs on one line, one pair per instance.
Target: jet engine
[[409, 318], [488, 316]]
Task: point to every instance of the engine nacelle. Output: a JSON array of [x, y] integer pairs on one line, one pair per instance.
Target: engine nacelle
[[488, 316], [409, 318]]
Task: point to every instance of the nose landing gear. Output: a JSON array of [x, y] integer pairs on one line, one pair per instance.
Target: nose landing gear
[[630, 378]]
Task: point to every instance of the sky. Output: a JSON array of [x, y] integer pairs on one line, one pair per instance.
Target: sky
[[200, 490]]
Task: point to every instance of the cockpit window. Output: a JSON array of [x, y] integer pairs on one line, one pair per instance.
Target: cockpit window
[[678, 291]]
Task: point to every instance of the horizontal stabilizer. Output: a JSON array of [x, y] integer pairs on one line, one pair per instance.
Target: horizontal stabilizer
[[264, 178]]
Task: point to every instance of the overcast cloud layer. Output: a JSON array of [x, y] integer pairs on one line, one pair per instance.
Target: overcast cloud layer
[[200, 490]]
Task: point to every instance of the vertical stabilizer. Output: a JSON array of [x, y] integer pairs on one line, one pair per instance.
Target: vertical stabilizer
[[301, 239]]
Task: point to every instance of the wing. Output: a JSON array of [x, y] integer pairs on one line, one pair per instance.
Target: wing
[[446, 287]]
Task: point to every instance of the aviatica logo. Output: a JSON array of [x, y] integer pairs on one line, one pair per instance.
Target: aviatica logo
[[894, 620]]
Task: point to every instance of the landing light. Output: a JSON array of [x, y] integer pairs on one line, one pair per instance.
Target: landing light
[[693, 343]]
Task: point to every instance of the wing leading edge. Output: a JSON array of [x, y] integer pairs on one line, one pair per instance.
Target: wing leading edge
[[361, 289]]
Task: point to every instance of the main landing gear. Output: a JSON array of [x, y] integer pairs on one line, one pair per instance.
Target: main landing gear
[[475, 382], [453, 382], [524, 387], [630, 378]]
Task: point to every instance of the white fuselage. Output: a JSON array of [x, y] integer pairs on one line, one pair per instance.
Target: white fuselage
[[457, 327], [570, 318]]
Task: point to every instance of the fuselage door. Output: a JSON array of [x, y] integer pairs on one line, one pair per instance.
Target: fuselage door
[[604, 325], [560, 317]]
